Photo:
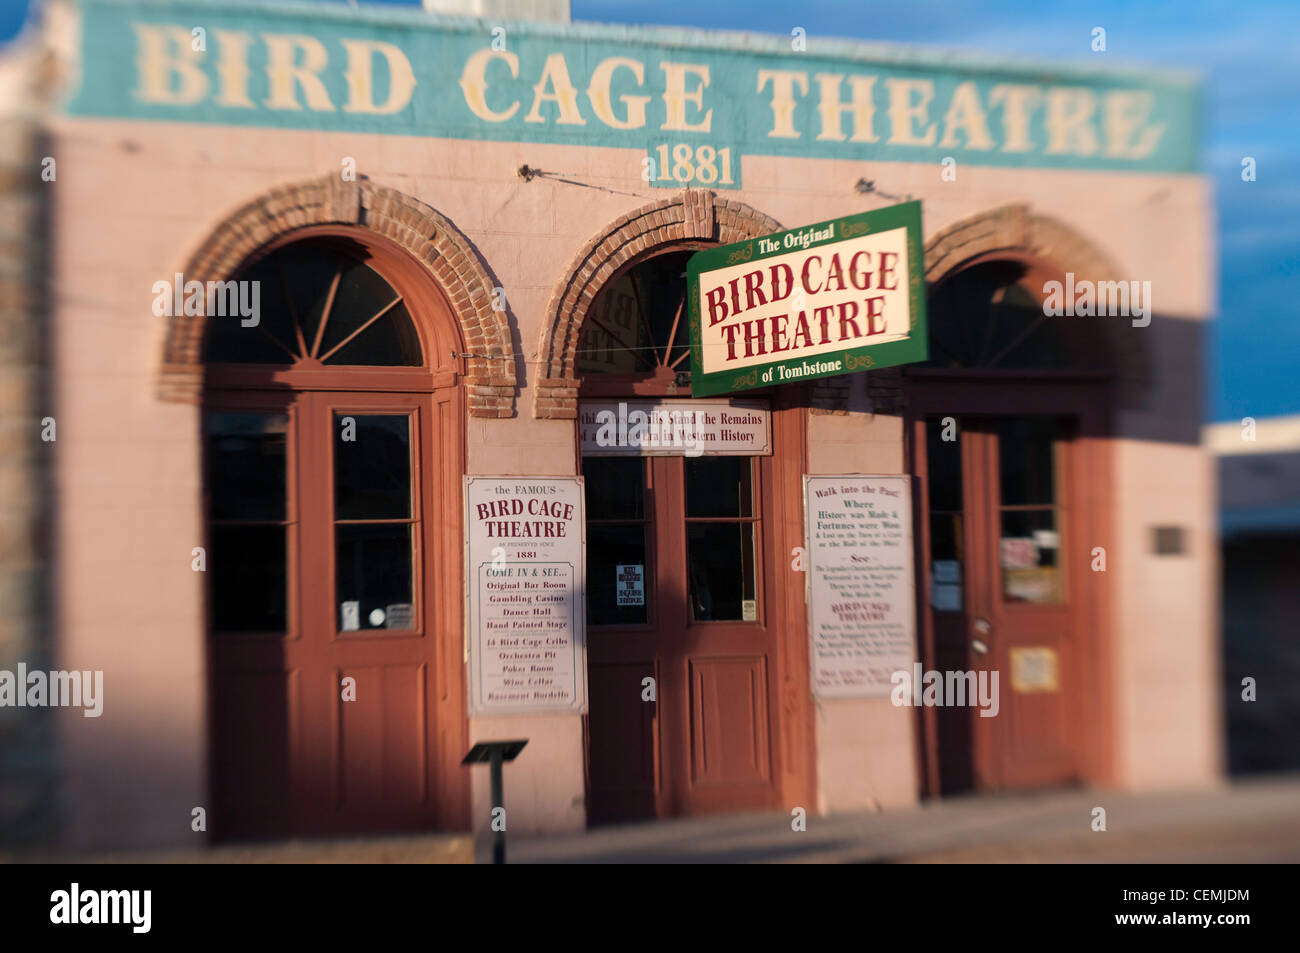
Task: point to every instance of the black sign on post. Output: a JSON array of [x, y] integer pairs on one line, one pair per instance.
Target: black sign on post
[[496, 753]]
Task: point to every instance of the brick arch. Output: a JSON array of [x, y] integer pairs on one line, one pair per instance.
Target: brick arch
[[428, 236], [1015, 232], [692, 215]]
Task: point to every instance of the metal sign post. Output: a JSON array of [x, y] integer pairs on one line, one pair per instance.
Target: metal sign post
[[496, 753]]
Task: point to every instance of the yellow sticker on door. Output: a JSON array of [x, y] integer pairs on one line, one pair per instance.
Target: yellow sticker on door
[[1034, 670]]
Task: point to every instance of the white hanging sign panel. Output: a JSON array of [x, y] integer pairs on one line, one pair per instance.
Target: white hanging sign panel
[[861, 587], [525, 558]]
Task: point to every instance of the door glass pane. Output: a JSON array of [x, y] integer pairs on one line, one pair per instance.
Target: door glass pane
[[249, 578], [615, 487], [946, 560], [719, 487], [721, 571], [1029, 545], [1027, 459], [373, 576], [610, 545], [944, 481], [1029, 552], [372, 466], [943, 461], [616, 537], [246, 465]]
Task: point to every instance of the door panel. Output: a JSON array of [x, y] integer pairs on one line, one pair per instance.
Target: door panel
[[622, 739], [382, 747], [729, 721]]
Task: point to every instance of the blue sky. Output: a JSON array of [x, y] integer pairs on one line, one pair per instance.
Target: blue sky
[[1249, 54]]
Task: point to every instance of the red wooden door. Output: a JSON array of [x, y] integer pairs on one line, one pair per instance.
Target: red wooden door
[[341, 714], [683, 687], [1007, 531]]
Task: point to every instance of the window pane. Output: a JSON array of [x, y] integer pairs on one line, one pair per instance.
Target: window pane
[[374, 572], [307, 270], [390, 341], [372, 470], [629, 322], [294, 283], [228, 341], [614, 338], [1027, 459], [249, 573], [1029, 552], [615, 487], [246, 465], [721, 568], [987, 316], [719, 486], [608, 547]]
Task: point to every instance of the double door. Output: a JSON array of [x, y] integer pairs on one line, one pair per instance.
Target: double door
[[682, 636], [332, 568]]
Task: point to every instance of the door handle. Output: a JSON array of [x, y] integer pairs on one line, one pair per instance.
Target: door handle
[[981, 627]]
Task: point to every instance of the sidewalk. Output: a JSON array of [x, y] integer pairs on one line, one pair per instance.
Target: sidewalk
[[1245, 822]]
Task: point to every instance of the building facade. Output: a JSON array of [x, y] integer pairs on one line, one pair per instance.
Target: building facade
[[465, 234]]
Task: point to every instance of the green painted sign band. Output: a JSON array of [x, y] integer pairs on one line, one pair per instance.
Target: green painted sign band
[[691, 104], [817, 301]]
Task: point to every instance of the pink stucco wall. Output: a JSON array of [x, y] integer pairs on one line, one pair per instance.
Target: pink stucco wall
[[135, 199]]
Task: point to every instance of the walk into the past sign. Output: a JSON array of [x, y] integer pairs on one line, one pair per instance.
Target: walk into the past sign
[[832, 298]]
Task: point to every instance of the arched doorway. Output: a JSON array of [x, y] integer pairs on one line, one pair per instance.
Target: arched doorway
[[1008, 426], [698, 684], [333, 454]]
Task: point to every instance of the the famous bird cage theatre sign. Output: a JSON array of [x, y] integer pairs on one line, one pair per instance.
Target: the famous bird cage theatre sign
[[833, 298]]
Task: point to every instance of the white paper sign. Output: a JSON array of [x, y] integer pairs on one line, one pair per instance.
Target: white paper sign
[[861, 588], [630, 585], [524, 603], [690, 428]]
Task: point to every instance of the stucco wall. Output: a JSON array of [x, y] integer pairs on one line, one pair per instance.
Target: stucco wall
[[134, 199]]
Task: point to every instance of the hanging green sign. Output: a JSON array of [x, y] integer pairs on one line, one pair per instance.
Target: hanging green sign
[[832, 298]]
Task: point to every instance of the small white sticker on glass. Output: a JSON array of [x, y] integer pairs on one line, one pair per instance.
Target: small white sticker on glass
[[351, 613]]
